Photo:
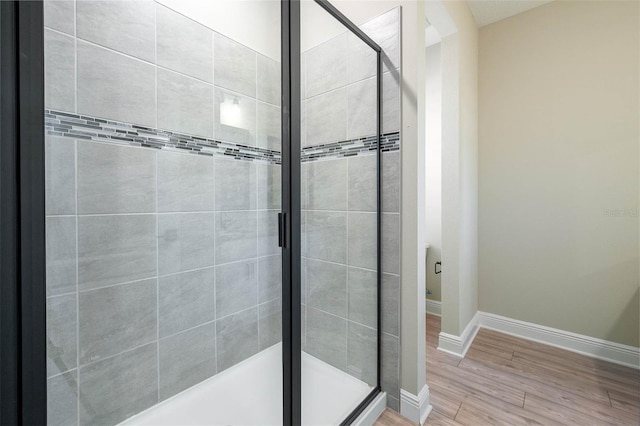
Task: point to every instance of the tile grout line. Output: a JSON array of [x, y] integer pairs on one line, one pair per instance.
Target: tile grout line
[[171, 274]]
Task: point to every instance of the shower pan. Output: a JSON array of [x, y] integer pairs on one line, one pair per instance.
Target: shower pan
[[192, 218]]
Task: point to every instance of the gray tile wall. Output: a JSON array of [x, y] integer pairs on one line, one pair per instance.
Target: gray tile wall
[[183, 285], [127, 61], [154, 232], [338, 77], [339, 205], [162, 267]]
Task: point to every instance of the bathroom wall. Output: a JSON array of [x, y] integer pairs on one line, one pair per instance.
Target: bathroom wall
[[339, 203], [163, 183], [559, 132]]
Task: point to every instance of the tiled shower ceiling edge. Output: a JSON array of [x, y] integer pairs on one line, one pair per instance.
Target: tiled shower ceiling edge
[[64, 124]]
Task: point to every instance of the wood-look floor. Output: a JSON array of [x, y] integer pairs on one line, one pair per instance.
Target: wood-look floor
[[504, 380]]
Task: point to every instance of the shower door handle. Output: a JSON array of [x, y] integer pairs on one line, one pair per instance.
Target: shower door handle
[[281, 229]]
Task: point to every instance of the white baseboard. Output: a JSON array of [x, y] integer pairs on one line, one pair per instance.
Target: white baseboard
[[597, 348], [434, 307], [369, 416], [459, 345], [415, 408]]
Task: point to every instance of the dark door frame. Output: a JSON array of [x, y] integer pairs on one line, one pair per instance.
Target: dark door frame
[[23, 368]]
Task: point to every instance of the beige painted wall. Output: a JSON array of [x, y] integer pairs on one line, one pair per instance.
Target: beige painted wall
[[559, 136], [459, 171]]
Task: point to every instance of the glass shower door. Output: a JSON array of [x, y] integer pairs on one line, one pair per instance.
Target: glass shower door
[[339, 197], [163, 149]]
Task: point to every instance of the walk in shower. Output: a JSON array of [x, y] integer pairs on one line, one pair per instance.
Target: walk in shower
[[221, 212]]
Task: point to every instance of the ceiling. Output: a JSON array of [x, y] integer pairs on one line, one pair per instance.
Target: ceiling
[[489, 11]]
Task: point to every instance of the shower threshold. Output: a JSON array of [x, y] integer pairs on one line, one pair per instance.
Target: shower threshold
[[250, 393]]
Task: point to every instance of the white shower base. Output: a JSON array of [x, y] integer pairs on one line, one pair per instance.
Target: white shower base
[[250, 393]]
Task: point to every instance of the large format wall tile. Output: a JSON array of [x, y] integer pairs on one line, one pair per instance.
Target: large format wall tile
[[185, 182], [269, 278], [390, 365], [236, 287], [363, 296], [326, 235], [185, 241], [235, 236], [111, 85], [363, 106], [385, 31], [327, 184], [60, 15], [269, 124], [127, 26], [60, 180], [62, 399], [391, 101], [391, 182], [60, 71], [61, 255], [105, 331], [185, 104], [327, 337], [115, 249], [119, 387], [268, 233], [61, 334], [362, 59], [115, 179], [269, 186], [186, 359], [362, 353], [363, 183], [234, 117], [327, 66], [237, 338], [327, 287], [303, 78], [390, 304], [270, 323], [391, 243], [363, 240], [174, 32], [186, 300], [234, 66], [269, 83], [235, 185], [326, 118]]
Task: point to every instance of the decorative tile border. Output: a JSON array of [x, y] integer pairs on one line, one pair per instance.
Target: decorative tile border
[[76, 126], [350, 148], [97, 129]]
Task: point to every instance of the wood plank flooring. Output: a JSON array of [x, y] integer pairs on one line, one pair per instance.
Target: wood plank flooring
[[504, 380]]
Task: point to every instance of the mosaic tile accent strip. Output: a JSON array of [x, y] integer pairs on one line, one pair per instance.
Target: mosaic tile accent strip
[[350, 148], [64, 124], [76, 126]]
